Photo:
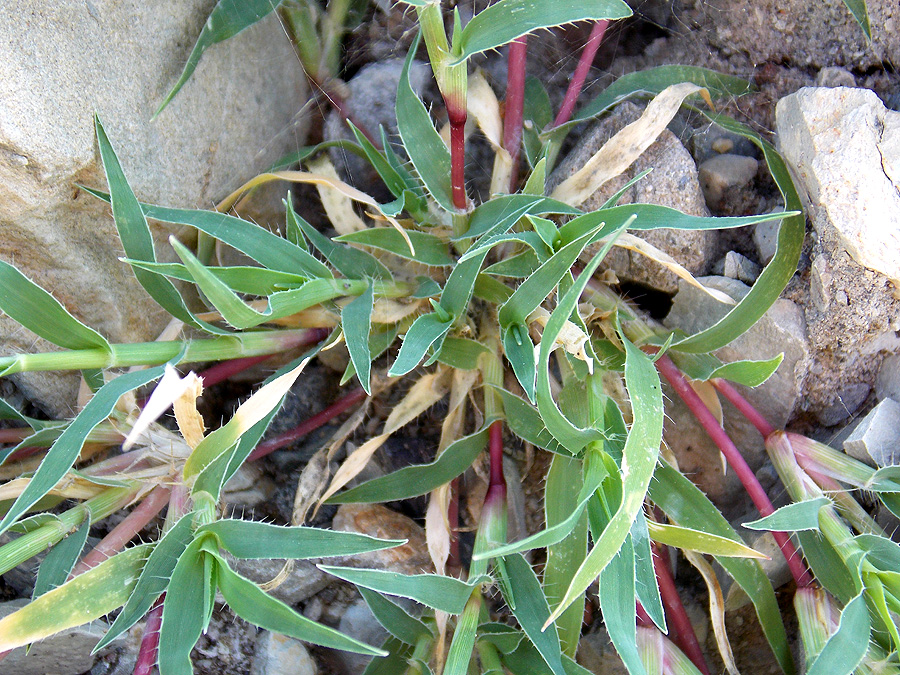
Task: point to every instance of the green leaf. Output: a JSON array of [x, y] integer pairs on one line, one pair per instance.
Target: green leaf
[[793, 517], [617, 592], [420, 479], [638, 462], [396, 661], [425, 332], [396, 181], [446, 594], [686, 505], [531, 610], [88, 596], [519, 351], [253, 604], [63, 453], [228, 18], [60, 560], [296, 157], [240, 279], [154, 577], [653, 80], [700, 541], [706, 367], [501, 213], [394, 618], [430, 250], [137, 241], [777, 273], [427, 151], [846, 648], [255, 539], [526, 423], [461, 353], [356, 322], [861, 13], [28, 304], [829, 566], [645, 583], [506, 20], [184, 616]]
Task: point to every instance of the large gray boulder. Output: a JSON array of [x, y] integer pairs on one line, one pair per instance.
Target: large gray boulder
[[62, 62]]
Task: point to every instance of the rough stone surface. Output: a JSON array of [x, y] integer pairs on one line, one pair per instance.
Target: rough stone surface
[[845, 147], [736, 266], [278, 654], [877, 437], [888, 383], [835, 76], [66, 653], [780, 330], [840, 143], [61, 63], [371, 100], [379, 521], [724, 174], [303, 581], [765, 236], [673, 182], [824, 34], [248, 487], [358, 622]]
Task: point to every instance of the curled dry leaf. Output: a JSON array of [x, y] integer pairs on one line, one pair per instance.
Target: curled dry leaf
[[482, 104], [716, 609], [571, 337], [427, 391], [620, 151], [169, 389], [338, 206]]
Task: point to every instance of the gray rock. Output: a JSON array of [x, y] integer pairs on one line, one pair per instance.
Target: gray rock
[[62, 62], [359, 622], [775, 30], [371, 100], [736, 266], [303, 581], [877, 438], [845, 147], [765, 236], [781, 329], [66, 653], [835, 76], [278, 654], [842, 145], [672, 182], [888, 383], [248, 487], [724, 174], [713, 140]]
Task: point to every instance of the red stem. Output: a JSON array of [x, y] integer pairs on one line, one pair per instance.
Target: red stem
[[680, 627], [341, 405], [643, 619], [746, 408], [581, 72], [16, 435], [496, 454], [515, 104], [736, 461], [148, 651], [458, 159], [125, 531]]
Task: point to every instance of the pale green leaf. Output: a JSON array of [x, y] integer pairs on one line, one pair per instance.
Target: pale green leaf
[[793, 517], [356, 322], [60, 560], [846, 648]]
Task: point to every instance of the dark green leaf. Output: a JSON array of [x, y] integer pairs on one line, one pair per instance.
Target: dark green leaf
[[461, 353], [60, 560], [427, 330], [394, 618], [519, 351], [501, 213], [645, 583], [446, 594], [829, 567], [430, 250], [183, 618], [228, 18], [412, 481], [525, 422], [356, 322], [846, 648], [617, 593], [861, 13]]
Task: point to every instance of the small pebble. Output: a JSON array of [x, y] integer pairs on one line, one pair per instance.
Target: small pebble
[[834, 76], [877, 438], [278, 654], [724, 173], [736, 266], [888, 383], [765, 236]]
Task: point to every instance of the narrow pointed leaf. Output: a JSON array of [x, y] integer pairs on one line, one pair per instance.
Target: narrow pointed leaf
[[846, 648], [28, 304], [394, 618], [861, 13], [506, 20], [617, 593], [228, 18], [793, 517], [430, 250], [427, 330], [356, 322], [446, 594], [184, 617], [645, 583], [420, 479], [63, 453], [253, 604], [395, 181], [501, 213], [60, 560], [702, 542]]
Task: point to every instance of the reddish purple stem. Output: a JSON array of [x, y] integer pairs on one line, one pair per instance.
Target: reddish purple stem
[[736, 461], [581, 72], [458, 158], [148, 651], [681, 629], [495, 434], [746, 408], [341, 405], [515, 105]]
